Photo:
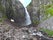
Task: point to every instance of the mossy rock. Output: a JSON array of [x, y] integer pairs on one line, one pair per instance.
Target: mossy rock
[[1, 8], [49, 32], [48, 11], [0, 20], [36, 22]]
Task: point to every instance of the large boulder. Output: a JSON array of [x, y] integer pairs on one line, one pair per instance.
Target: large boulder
[[15, 10]]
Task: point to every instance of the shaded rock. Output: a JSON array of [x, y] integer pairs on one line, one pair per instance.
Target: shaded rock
[[15, 11]]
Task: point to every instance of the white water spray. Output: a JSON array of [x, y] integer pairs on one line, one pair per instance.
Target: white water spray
[[27, 16]]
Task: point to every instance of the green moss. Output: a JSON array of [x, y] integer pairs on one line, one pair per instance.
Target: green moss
[[0, 20], [49, 32], [35, 21], [1, 8], [48, 11]]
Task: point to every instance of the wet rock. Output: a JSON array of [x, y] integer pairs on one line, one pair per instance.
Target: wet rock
[[42, 38], [45, 34]]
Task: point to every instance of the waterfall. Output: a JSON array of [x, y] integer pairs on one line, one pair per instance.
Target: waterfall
[[27, 16]]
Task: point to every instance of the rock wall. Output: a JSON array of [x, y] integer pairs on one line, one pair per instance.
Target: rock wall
[[47, 23], [12, 9], [36, 12]]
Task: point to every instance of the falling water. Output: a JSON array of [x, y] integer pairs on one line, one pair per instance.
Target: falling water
[[27, 16]]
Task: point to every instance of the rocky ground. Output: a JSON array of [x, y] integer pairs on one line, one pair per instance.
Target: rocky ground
[[12, 32]]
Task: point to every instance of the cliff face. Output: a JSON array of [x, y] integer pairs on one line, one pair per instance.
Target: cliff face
[[1, 9], [13, 10], [36, 12], [46, 16], [16, 10], [33, 9]]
